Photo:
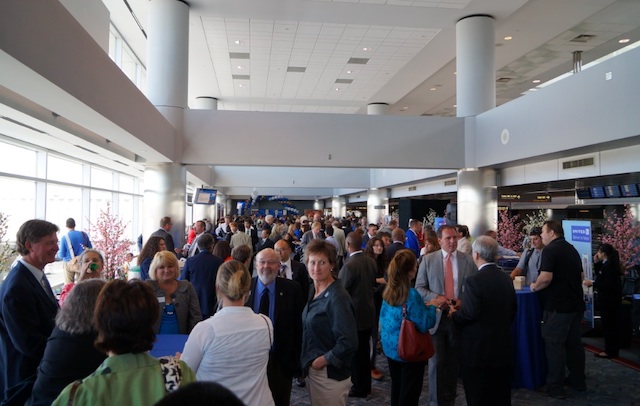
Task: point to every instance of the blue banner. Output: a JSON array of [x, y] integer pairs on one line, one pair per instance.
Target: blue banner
[[578, 233]]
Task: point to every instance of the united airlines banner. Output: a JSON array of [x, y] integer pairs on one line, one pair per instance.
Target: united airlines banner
[[578, 233]]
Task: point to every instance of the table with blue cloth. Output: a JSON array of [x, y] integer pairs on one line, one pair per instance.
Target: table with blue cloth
[[530, 363], [168, 344]]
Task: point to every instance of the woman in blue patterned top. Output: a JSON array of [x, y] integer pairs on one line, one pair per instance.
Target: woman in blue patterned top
[[406, 377]]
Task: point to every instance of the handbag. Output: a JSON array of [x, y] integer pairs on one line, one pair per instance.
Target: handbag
[[413, 346]]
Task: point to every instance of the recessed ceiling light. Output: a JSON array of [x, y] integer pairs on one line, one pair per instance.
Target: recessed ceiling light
[[349, 71], [433, 88], [240, 85], [238, 42], [533, 89], [536, 81], [365, 49], [337, 89], [240, 67], [624, 41], [405, 108], [508, 38], [455, 105], [455, 73]]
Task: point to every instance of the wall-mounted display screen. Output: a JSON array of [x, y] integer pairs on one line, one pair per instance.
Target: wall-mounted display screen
[[612, 191], [597, 192], [630, 190], [205, 196], [583, 193]]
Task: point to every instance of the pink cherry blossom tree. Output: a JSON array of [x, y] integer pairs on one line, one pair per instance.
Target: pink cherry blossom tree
[[509, 230], [107, 236], [623, 233]]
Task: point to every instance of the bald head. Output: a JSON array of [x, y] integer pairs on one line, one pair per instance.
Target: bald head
[[283, 250], [354, 242]]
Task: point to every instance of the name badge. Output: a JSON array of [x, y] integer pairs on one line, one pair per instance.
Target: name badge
[[161, 299]]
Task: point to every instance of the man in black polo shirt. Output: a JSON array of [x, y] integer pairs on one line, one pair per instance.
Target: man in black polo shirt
[[559, 287]]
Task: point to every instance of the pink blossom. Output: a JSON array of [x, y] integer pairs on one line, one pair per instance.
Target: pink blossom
[[107, 234]]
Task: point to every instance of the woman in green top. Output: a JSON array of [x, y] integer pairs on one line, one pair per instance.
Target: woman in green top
[[124, 317]]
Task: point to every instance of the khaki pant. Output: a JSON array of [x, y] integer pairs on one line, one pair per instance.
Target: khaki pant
[[325, 391], [69, 272]]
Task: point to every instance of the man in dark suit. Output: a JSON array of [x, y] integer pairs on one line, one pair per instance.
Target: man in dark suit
[[165, 232], [398, 237], [265, 241], [292, 270], [284, 304], [436, 279], [251, 231], [358, 276], [201, 270], [489, 307], [27, 311]]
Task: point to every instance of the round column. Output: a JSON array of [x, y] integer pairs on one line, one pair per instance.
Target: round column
[[339, 207], [164, 195], [475, 65], [206, 103], [377, 109], [377, 205], [477, 200]]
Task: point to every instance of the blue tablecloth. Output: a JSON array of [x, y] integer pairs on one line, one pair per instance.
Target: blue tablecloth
[[168, 344], [530, 363]]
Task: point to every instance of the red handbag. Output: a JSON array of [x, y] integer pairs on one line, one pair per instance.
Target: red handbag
[[413, 346]]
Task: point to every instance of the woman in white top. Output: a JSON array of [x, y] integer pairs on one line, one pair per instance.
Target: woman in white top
[[232, 347]]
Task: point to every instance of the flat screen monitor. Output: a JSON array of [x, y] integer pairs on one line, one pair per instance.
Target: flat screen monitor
[[205, 196], [597, 192], [612, 191], [630, 190], [583, 193]]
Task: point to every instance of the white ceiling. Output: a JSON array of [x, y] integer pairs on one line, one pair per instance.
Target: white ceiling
[[410, 47]]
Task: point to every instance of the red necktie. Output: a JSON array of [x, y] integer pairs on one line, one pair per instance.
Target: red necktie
[[449, 291]]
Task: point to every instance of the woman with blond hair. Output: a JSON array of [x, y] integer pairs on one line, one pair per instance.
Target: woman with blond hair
[[232, 347], [406, 377], [179, 304]]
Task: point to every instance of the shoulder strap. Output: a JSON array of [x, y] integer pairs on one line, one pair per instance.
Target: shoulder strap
[[268, 329], [526, 259], [72, 394], [69, 245]]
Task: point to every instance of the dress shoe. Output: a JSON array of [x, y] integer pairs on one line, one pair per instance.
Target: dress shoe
[[354, 394], [602, 355], [557, 394], [375, 374], [300, 382], [578, 388]]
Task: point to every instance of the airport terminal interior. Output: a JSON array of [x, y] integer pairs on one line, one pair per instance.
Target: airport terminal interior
[[376, 108]]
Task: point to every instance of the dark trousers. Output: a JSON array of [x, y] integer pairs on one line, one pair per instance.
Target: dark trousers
[[361, 365], [444, 365], [609, 317], [563, 348], [487, 386], [406, 382], [279, 382]]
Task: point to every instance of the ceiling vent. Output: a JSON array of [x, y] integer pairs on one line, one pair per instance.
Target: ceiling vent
[[412, 188], [358, 61], [238, 55], [503, 80], [298, 69], [578, 163], [86, 149], [345, 81], [582, 38], [241, 77], [451, 182]]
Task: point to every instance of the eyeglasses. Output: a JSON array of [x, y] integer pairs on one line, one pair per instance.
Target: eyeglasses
[[281, 249]]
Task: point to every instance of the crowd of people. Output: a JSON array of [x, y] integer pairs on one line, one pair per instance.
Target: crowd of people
[[269, 303]]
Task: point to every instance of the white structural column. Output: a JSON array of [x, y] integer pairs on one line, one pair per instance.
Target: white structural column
[[165, 184], [477, 200], [207, 211], [377, 200], [206, 103], [338, 207], [476, 93], [475, 65]]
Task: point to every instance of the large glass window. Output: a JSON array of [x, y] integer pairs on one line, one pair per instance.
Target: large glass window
[[18, 201], [18, 160], [64, 170], [125, 213], [98, 203], [127, 184], [101, 178], [64, 202]]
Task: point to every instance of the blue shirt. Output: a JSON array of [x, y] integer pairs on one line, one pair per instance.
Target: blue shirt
[[260, 287], [423, 316], [412, 243]]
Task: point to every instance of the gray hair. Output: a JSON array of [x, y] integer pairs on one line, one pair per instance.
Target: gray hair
[[76, 314], [486, 248]]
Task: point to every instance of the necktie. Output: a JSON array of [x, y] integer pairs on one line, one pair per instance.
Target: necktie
[[264, 303], [283, 271], [449, 291], [47, 288]]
